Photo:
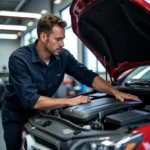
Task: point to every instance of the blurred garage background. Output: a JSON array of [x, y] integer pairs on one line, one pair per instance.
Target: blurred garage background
[[18, 29]]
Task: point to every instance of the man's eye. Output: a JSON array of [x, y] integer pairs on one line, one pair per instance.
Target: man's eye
[[58, 39]]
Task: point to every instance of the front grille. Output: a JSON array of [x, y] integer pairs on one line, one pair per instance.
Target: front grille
[[45, 143]]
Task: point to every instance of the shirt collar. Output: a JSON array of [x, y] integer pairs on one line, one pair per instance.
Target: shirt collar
[[35, 56], [57, 57]]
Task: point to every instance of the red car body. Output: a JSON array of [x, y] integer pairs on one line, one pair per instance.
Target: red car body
[[79, 7]]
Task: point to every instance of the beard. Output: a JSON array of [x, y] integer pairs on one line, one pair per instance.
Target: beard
[[56, 52], [52, 51]]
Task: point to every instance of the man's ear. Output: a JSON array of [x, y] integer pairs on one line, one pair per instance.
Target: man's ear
[[43, 37]]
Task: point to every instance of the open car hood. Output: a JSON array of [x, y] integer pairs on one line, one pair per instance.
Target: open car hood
[[116, 31]]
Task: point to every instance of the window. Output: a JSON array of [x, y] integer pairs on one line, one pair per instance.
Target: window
[[27, 38], [101, 68], [30, 37], [91, 61], [65, 15], [71, 41], [34, 34]]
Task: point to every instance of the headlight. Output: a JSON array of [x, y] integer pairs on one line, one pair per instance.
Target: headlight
[[28, 143], [24, 144]]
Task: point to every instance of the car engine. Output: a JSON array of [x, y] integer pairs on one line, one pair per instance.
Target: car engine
[[103, 117], [95, 115]]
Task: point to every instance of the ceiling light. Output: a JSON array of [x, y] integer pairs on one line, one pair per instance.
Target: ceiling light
[[30, 23], [8, 36], [19, 33], [12, 27], [57, 1], [20, 14], [43, 12]]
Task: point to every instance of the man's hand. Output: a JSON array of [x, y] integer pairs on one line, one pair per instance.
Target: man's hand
[[100, 84], [125, 96], [78, 100]]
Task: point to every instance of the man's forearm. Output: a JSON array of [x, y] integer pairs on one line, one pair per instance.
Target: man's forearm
[[101, 85], [51, 103]]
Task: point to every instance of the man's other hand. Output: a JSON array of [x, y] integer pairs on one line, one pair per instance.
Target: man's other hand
[[126, 96]]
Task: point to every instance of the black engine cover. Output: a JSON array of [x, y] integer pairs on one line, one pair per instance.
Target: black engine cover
[[85, 112]]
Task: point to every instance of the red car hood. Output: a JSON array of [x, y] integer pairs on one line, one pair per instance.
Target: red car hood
[[116, 31]]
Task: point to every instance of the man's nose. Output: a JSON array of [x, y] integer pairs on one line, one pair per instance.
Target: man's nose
[[61, 44]]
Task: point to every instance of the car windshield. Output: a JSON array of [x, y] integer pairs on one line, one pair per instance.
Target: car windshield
[[140, 76]]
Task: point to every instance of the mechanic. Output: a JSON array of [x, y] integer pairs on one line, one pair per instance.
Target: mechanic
[[36, 71]]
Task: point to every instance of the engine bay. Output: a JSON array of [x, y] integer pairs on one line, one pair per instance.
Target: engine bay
[[103, 113], [104, 117]]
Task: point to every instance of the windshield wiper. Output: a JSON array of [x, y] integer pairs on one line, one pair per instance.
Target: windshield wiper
[[146, 82]]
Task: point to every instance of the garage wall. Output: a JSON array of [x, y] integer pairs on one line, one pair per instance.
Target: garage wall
[[36, 7], [6, 48], [62, 5], [44, 4]]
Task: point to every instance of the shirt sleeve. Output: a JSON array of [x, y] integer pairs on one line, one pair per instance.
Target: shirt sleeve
[[23, 83], [80, 71]]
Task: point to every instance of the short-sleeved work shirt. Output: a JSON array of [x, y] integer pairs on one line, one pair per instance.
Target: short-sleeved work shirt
[[30, 77]]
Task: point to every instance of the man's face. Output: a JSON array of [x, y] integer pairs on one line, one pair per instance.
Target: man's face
[[54, 41]]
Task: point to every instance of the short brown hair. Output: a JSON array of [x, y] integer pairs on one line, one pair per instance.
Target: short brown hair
[[47, 22]]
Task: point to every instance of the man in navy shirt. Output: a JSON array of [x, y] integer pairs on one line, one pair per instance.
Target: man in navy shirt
[[36, 71]]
